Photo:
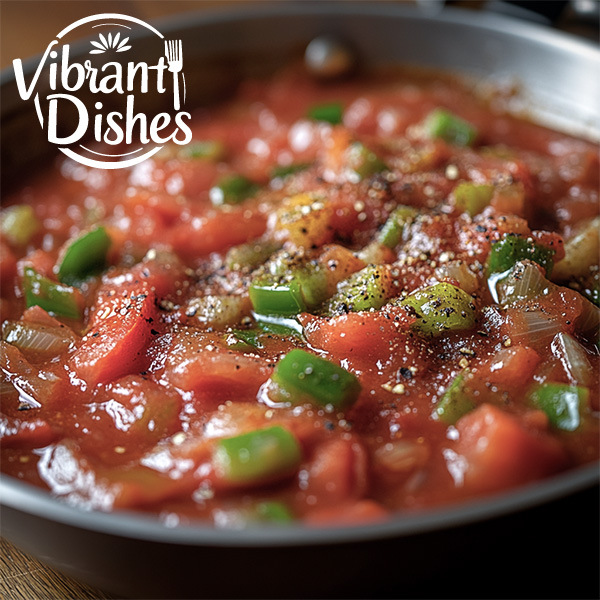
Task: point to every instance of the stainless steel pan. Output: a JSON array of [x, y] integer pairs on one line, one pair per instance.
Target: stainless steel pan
[[538, 541]]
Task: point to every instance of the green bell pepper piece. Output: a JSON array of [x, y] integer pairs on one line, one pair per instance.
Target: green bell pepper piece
[[454, 403], [472, 197], [280, 326], [60, 300], [270, 298], [441, 307], [249, 255], [257, 456], [244, 339], [204, 149], [302, 376], [287, 286], [273, 512], [84, 257], [392, 230], [562, 403], [364, 290], [19, 224], [512, 248], [332, 112], [362, 161], [232, 189], [443, 124]]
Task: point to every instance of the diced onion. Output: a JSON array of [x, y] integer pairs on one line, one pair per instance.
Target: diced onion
[[538, 326], [218, 311], [573, 358], [460, 272], [581, 253], [32, 337], [525, 280]]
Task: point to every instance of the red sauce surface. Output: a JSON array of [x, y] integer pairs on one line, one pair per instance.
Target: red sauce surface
[[127, 413]]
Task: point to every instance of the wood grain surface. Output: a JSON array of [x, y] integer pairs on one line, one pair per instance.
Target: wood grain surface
[[25, 578]]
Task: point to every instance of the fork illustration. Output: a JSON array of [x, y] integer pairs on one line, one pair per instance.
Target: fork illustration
[[173, 53]]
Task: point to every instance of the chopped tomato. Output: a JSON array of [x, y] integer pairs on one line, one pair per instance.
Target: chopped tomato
[[336, 473], [195, 363], [511, 366], [25, 433], [360, 338], [122, 329], [127, 418], [500, 452], [216, 231]]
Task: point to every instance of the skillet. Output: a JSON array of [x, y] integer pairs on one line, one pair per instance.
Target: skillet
[[538, 541]]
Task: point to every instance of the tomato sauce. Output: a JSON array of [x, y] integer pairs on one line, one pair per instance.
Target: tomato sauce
[[439, 255]]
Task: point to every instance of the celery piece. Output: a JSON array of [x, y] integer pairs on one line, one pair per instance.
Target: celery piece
[[562, 403], [454, 403], [84, 257], [392, 230], [362, 161], [60, 300], [472, 198], [258, 456], [302, 375], [443, 124], [441, 307], [19, 224]]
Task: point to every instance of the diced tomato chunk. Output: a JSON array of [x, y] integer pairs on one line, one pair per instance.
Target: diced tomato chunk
[[552, 241], [121, 331], [36, 314], [127, 418], [21, 433], [337, 472], [511, 366], [361, 338], [214, 374], [41, 261], [500, 452], [216, 231]]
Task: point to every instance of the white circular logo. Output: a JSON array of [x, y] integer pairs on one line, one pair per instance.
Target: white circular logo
[[90, 108]]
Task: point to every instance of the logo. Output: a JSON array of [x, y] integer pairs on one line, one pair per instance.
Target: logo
[[121, 102]]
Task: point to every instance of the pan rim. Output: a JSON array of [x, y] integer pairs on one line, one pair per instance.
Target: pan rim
[[26, 498], [454, 15], [19, 496]]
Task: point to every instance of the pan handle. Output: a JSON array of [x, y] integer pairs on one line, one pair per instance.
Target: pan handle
[[580, 17]]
